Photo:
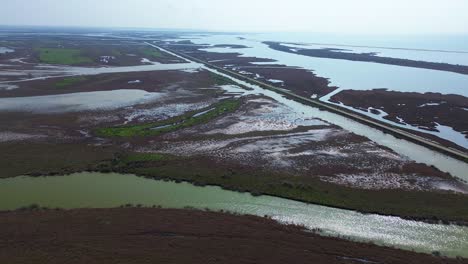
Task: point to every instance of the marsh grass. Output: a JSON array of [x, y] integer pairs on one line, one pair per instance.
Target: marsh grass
[[171, 124], [62, 56], [69, 81]]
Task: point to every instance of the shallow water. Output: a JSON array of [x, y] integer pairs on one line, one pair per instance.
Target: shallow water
[[42, 72], [95, 190], [405, 148], [5, 50], [444, 132], [356, 75], [460, 58], [418, 47], [73, 102], [152, 67]]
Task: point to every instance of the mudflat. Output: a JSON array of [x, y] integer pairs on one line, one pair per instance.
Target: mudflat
[[176, 236]]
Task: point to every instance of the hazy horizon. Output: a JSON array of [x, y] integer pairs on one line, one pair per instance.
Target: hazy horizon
[[335, 16]]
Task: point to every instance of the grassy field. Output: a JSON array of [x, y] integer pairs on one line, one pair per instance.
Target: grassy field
[[221, 80], [171, 124], [19, 158], [62, 56], [409, 204], [69, 81], [152, 53]]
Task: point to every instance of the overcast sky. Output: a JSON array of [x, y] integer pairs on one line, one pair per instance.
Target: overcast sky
[[334, 16]]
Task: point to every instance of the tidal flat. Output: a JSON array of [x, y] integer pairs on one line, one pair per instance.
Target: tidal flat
[[179, 121]]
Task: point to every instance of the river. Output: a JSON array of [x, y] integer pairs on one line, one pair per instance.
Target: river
[[96, 190]]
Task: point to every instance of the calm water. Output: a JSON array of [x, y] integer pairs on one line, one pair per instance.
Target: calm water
[[424, 47], [99, 100], [42, 72], [405, 148], [358, 75], [419, 55], [351, 74], [94, 190], [5, 50]]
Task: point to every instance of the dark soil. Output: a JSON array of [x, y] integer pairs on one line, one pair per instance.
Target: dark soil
[[143, 235], [149, 81], [123, 52], [450, 110], [445, 206], [297, 80]]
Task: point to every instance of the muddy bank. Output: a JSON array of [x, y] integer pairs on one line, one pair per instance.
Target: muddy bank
[[42, 158], [149, 81], [174, 236], [426, 111], [300, 81], [263, 147], [278, 150]]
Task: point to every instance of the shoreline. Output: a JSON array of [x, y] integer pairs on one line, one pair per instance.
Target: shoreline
[[99, 227], [432, 220], [386, 128]]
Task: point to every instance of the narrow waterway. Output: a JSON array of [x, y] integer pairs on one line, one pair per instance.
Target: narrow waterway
[[406, 148], [96, 190], [353, 75]]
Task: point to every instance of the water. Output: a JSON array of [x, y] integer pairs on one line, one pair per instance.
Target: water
[[42, 72], [417, 47], [460, 58], [95, 190], [203, 112], [151, 67], [405, 148], [450, 42], [5, 50], [355, 75], [73, 102], [444, 132]]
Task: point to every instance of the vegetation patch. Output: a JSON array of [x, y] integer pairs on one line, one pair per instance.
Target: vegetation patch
[[144, 157], [62, 56], [153, 53], [222, 80], [409, 204], [172, 124], [69, 81]]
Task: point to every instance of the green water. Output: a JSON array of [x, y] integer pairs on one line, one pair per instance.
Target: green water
[[95, 190]]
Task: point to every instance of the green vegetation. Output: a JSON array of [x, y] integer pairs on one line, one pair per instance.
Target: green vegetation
[[69, 81], [221, 80], [18, 158], [201, 171], [143, 157], [62, 56], [153, 53], [59, 159], [116, 53], [172, 124]]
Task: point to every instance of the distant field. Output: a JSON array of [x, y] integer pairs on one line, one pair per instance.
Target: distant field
[[62, 56], [153, 53], [69, 81]]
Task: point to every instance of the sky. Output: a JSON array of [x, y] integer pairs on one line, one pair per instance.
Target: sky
[[328, 16]]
